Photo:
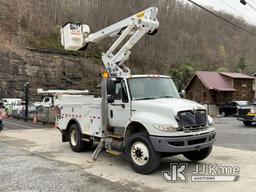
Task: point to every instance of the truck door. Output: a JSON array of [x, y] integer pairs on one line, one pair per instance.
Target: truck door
[[47, 102], [119, 109]]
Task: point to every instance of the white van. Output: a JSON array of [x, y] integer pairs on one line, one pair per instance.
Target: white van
[[10, 101]]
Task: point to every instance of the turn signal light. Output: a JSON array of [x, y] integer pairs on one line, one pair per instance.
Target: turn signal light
[[105, 75], [140, 15]]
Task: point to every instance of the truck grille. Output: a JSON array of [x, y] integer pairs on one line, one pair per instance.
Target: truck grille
[[190, 119], [243, 112]]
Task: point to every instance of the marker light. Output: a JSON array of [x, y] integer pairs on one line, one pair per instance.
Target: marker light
[[105, 75], [140, 15]]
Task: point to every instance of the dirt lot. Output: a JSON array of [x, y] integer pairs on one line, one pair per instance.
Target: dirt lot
[[234, 147]]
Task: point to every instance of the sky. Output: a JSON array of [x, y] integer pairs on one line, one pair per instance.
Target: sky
[[233, 7]]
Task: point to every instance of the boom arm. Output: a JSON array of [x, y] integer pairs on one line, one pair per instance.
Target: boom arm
[[135, 27], [56, 92]]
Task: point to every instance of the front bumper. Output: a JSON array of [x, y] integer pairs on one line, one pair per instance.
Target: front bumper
[[248, 117], [182, 144]]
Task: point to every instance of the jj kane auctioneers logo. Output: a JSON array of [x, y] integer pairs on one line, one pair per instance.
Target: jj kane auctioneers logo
[[201, 173]]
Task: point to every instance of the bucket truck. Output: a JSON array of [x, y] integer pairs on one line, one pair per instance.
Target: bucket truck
[[140, 116]]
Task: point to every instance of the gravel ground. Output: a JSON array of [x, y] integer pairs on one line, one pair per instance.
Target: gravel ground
[[233, 134], [23, 171]]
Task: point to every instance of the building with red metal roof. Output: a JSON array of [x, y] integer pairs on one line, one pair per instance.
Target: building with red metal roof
[[218, 87]]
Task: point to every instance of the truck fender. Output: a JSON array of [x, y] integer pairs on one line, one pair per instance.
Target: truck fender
[[133, 127], [74, 121], [66, 131], [144, 120]]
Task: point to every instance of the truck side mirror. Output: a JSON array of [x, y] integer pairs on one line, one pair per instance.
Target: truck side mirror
[[124, 96], [110, 99], [110, 87], [183, 93]]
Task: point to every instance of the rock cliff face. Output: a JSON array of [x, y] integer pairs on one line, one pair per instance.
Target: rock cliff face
[[44, 70]]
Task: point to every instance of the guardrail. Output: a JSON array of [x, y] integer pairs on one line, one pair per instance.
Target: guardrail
[[41, 114]]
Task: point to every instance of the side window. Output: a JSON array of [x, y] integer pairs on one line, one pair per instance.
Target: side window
[[46, 99], [232, 104], [118, 91], [124, 92]]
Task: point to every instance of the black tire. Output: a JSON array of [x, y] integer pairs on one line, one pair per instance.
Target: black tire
[[247, 123], [153, 159], [198, 155], [40, 109], [223, 114], [75, 140]]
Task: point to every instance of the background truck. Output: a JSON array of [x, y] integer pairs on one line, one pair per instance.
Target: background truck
[[10, 103], [140, 116], [46, 102], [247, 114], [51, 95]]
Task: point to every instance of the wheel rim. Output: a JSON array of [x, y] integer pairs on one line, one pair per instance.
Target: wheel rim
[[73, 137], [139, 153], [223, 114]]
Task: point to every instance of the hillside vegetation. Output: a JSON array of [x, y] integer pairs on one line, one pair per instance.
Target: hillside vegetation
[[188, 39]]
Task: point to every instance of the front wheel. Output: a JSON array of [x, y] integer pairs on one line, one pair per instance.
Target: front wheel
[[198, 155], [247, 123], [141, 155], [75, 140]]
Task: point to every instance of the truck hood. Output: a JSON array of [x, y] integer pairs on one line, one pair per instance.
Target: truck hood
[[170, 104]]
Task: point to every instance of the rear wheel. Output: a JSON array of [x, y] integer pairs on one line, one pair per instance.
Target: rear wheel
[[75, 140], [223, 114], [141, 155], [198, 155], [247, 123]]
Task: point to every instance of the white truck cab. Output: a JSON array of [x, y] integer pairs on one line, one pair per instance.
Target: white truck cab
[[46, 102], [152, 103], [140, 116]]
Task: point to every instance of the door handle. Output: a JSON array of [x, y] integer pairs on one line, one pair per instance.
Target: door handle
[[111, 113], [122, 105]]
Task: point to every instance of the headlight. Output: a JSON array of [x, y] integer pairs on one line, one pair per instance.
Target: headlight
[[167, 128], [210, 121]]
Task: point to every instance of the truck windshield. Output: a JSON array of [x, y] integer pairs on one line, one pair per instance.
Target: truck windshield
[[152, 88]]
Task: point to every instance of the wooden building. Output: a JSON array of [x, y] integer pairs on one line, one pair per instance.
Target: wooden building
[[217, 88], [254, 87]]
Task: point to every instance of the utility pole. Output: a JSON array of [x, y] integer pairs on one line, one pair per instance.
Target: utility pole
[[26, 85]]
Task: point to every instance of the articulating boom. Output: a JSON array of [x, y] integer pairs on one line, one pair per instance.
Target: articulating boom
[[135, 27]]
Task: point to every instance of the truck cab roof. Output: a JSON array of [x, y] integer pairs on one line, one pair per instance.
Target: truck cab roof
[[147, 75]]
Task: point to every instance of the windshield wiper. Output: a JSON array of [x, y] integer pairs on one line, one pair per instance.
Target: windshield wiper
[[167, 96], [145, 98]]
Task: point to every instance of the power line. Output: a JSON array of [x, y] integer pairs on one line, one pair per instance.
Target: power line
[[253, 2], [251, 6], [237, 11], [224, 19]]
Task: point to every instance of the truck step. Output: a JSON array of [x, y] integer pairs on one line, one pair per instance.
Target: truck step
[[117, 153], [86, 139], [116, 136]]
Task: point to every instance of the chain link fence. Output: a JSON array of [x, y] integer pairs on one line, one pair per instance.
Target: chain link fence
[[37, 114]]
